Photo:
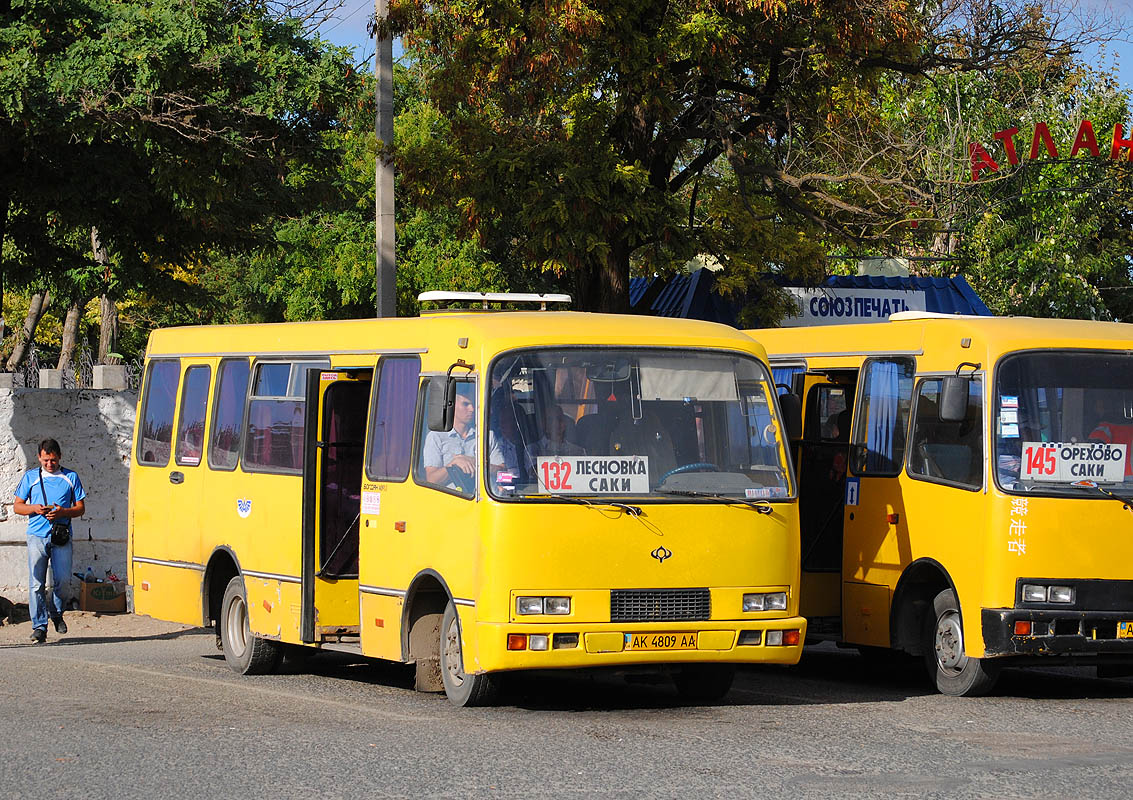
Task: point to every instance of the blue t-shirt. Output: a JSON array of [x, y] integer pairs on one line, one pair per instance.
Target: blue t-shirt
[[62, 488]]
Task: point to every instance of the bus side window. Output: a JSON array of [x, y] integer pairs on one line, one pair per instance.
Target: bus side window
[[273, 437], [882, 419], [391, 418], [447, 459], [191, 427], [155, 435], [228, 414], [947, 452]]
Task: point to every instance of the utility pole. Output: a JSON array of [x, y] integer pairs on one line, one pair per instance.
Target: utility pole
[[385, 285]]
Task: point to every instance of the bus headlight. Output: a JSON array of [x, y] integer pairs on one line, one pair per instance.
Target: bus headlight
[[1034, 593], [765, 601], [542, 605], [1061, 594], [556, 605]]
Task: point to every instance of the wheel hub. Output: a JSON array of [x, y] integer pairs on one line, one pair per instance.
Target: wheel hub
[[453, 661], [949, 641]]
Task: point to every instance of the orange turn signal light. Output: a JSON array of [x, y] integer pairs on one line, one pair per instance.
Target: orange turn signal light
[[399, 526], [1022, 627], [790, 637], [517, 641]]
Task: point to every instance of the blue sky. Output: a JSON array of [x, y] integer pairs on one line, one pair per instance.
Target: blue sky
[[349, 29]]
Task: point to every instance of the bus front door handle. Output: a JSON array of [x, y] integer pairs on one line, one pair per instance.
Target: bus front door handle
[[176, 477]]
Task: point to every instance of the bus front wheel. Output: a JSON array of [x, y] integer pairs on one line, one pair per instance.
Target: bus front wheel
[[244, 652], [461, 688], [952, 672]]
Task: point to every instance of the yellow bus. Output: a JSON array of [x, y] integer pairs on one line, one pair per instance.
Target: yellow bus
[[328, 485], [963, 486]]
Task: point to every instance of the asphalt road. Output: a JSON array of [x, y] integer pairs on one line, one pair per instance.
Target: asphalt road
[[164, 717]]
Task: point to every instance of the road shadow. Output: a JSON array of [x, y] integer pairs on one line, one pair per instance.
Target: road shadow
[[78, 641], [1061, 683], [826, 675]]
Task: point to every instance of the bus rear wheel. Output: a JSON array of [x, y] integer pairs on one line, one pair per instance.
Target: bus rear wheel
[[244, 652], [704, 683], [952, 672], [461, 688]]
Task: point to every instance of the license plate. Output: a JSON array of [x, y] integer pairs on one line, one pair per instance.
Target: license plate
[[664, 641], [1125, 630]]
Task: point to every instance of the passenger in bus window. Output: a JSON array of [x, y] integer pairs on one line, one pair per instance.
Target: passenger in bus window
[[553, 442], [1113, 432], [450, 457]]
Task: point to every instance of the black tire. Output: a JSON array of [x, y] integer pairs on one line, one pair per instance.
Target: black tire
[[245, 652], [461, 688], [950, 671], [704, 683]]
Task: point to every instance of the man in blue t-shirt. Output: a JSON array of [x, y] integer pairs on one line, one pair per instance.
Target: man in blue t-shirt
[[60, 495]]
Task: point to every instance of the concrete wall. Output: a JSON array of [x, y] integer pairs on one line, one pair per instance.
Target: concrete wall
[[94, 428]]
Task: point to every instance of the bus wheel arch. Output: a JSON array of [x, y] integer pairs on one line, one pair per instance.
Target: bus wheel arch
[[422, 615], [222, 567], [916, 590]]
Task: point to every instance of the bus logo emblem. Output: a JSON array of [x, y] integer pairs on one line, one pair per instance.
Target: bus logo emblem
[[661, 554], [243, 507]]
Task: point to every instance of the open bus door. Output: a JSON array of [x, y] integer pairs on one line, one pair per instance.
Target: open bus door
[[337, 404]]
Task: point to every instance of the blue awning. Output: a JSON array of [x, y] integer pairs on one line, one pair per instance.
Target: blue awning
[[692, 295]]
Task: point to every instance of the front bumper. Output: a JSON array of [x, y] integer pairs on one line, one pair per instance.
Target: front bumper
[[1074, 633], [604, 644]]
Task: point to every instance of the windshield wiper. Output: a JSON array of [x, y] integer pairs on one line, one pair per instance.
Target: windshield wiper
[[762, 506], [625, 508], [1127, 501]]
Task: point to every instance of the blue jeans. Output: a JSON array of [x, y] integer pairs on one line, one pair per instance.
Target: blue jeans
[[39, 551]]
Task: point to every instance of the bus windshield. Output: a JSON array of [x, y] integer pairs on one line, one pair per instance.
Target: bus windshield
[[634, 423], [1064, 422]]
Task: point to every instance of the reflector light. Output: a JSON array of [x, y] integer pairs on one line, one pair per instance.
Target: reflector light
[[1022, 627], [517, 641]]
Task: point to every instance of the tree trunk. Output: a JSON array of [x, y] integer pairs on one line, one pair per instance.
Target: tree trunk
[[604, 285], [70, 336], [39, 303], [108, 331], [108, 308], [3, 232]]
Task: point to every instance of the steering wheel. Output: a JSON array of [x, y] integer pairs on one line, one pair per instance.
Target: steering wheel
[[696, 466], [464, 482]]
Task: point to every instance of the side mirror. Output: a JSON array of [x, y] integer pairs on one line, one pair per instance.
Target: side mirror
[[441, 408], [792, 408], [954, 398]]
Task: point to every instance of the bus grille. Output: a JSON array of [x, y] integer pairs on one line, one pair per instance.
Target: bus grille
[[658, 605]]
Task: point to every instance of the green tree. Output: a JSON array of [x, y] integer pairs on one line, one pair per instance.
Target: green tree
[[167, 128]]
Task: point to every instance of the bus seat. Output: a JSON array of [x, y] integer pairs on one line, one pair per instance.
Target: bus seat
[[792, 407], [592, 433], [645, 437]]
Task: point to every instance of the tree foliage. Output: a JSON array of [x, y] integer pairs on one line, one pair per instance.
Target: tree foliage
[[172, 128]]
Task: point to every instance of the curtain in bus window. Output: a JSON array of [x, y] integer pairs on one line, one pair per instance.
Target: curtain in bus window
[[191, 428], [883, 390], [784, 377], [157, 421], [394, 411], [229, 418]]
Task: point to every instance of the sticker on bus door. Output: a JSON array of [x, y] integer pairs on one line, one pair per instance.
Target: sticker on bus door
[[593, 474], [1066, 462], [853, 487]]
